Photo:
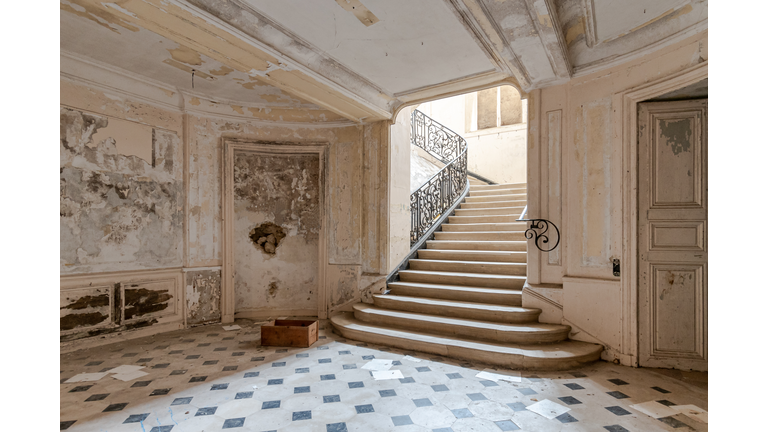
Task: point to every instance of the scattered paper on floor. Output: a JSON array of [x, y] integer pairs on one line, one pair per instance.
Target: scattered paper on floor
[[387, 374], [378, 365], [128, 376], [413, 359], [232, 327], [548, 409], [693, 412], [654, 409], [86, 377], [124, 369], [495, 376], [255, 387]]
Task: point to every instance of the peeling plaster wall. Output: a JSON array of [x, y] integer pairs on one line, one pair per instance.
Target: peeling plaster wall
[[284, 191], [118, 212], [203, 295], [578, 140], [183, 229]]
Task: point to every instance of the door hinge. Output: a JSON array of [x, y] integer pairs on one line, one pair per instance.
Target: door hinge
[[616, 267]]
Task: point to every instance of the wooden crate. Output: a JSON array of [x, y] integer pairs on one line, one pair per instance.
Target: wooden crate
[[289, 333]]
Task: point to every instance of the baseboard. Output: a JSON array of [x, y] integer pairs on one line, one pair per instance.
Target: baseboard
[[70, 346], [261, 314]]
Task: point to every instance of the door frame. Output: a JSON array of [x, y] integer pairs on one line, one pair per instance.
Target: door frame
[[230, 146], [625, 114]]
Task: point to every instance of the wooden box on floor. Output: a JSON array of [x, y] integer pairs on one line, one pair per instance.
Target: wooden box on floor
[[289, 333]]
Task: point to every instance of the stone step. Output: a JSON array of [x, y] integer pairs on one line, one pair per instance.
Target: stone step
[[458, 309], [458, 293], [557, 356], [522, 186], [502, 268], [481, 235], [492, 204], [501, 211], [463, 279], [494, 198], [475, 329], [488, 227], [482, 218], [506, 192], [478, 245], [471, 255]]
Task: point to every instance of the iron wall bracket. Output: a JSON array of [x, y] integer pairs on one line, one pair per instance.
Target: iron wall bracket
[[538, 230]]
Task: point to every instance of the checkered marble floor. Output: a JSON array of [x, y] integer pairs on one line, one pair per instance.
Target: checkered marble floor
[[208, 379]]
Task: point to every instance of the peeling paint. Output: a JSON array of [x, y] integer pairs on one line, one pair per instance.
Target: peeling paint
[[117, 212], [186, 55], [203, 295], [99, 16], [574, 31], [222, 71]]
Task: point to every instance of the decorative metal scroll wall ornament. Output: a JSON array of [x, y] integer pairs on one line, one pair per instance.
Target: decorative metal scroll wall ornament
[[439, 193], [540, 238]]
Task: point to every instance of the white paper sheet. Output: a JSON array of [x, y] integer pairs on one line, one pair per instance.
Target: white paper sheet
[[255, 387], [413, 359], [124, 369], [387, 374], [654, 409], [86, 377], [232, 327], [548, 409], [378, 365], [693, 412], [495, 376], [128, 376]]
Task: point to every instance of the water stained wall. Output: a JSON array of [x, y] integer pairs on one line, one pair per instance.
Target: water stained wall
[[117, 212], [276, 230]]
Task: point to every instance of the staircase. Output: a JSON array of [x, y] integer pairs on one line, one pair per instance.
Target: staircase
[[462, 296]]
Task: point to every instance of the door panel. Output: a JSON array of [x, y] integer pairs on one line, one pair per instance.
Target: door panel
[[672, 234]]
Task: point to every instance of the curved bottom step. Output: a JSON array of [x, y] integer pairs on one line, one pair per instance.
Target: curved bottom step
[[557, 356]]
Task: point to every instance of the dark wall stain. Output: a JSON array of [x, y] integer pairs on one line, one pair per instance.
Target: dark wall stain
[[89, 301], [272, 291], [678, 134], [72, 321], [143, 301], [287, 187], [267, 237]]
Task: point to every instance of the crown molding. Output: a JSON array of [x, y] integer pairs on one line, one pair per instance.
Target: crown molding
[[113, 80], [616, 60]]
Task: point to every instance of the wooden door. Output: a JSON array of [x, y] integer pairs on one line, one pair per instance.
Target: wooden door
[[672, 234]]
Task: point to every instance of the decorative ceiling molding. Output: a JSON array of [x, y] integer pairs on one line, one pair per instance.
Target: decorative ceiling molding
[[544, 17], [119, 82], [494, 44], [616, 60], [590, 27]]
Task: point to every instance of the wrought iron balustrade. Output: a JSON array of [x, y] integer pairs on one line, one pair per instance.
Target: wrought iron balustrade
[[439, 193]]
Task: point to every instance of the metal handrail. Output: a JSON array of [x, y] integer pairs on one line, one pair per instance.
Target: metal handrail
[[441, 191]]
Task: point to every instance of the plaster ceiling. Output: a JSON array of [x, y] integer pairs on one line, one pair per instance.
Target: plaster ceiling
[[413, 44], [615, 18], [362, 59], [150, 55]]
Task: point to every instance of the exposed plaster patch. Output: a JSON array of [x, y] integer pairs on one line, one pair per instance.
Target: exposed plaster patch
[[85, 9], [545, 20], [194, 101], [359, 11], [222, 71], [574, 31], [203, 296], [186, 55]]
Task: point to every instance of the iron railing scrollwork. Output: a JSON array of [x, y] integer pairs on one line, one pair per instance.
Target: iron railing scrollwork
[[439, 193], [538, 231]]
